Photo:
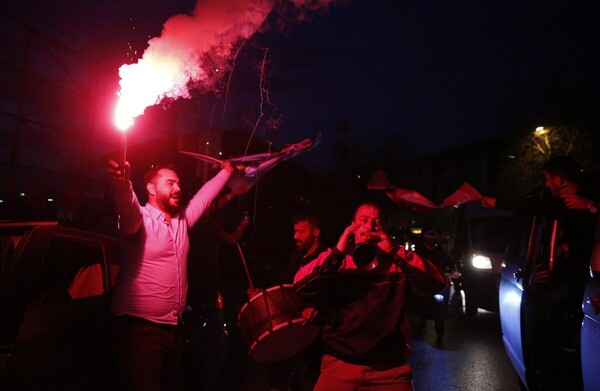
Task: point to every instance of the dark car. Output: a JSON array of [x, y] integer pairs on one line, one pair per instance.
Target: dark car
[[528, 315], [481, 237], [55, 290], [54, 301]]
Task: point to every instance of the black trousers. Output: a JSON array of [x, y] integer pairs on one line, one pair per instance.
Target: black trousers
[[147, 355]]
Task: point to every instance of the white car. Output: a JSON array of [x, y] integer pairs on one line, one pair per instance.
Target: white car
[[478, 249], [590, 330]]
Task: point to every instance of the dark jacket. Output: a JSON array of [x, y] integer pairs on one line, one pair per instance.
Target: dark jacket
[[297, 260], [366, 310]]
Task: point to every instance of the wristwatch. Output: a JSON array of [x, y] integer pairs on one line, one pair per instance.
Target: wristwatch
[[592, 207]]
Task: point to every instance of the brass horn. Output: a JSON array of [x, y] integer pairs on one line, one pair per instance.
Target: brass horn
[[366, 256]]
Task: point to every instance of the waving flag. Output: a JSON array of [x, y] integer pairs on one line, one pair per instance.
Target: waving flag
[[416, 201], [252, 167], [410, 198], [465, 193]]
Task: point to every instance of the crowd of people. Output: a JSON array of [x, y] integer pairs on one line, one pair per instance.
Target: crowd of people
[[358, 290]]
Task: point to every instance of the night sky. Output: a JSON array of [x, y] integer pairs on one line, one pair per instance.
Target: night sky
[[427, 75], [441, 74]]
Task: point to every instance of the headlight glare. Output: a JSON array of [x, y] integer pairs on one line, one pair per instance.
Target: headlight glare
[[481, 262]]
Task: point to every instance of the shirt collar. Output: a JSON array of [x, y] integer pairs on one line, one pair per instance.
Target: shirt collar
[[155, 213]]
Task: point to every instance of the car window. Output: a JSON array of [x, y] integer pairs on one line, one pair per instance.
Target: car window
[[518, 240], [544, 241], [70, 271]]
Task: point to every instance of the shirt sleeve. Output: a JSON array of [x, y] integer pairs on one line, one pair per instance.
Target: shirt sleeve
[[129, 210], [327, 262], [203, 197], [318, 282]]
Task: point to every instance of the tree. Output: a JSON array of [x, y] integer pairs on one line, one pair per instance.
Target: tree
[[523, 173]]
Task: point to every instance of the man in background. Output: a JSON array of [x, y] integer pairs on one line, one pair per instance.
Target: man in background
[[307, 236], [301, 371]]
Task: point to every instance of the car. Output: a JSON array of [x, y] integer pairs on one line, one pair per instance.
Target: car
[[55, 290], [479, 244], [590, 329], [524, 316], [56, 284]]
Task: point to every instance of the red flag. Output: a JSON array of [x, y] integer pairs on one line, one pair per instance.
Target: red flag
[[465, 193], [416, 201], [410, 198]]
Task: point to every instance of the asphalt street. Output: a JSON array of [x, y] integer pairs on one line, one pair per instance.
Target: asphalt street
[[470, 357]]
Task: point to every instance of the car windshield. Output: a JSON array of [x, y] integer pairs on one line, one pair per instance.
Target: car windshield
[[489, 234]]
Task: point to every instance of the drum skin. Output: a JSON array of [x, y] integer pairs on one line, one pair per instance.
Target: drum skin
[[272, 325]]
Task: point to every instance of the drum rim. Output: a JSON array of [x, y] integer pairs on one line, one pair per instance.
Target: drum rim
[[311, 328], [261, 293], [279, 326]]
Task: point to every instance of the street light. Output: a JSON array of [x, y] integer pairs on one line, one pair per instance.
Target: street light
[[542, 132]]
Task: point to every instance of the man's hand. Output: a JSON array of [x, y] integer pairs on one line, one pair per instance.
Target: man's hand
[[343, 240], [383, 241], [119, 175], [540, 275], [228, 167], [574, 201], [244, 223]]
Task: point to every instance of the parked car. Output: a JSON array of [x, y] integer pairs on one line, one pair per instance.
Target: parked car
[[590, 330], [54, 300], [55, 289], [481, 236], [526, 317]]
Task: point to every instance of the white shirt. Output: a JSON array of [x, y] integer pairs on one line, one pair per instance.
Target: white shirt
[[153, 282]]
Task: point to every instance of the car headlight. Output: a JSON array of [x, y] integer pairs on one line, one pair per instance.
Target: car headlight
[[481, 262]]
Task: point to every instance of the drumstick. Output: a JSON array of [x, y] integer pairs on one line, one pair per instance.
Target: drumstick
[[250, 284]]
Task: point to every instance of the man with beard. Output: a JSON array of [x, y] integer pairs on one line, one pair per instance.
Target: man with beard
[[151, 289], [307, 235], [300, 371]]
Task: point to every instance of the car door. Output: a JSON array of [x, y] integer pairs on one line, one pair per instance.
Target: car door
[[590, 329], [527, 316], [61, 341], [511, 292]]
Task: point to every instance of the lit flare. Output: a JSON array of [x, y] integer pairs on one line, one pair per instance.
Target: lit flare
[[146, 83]]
